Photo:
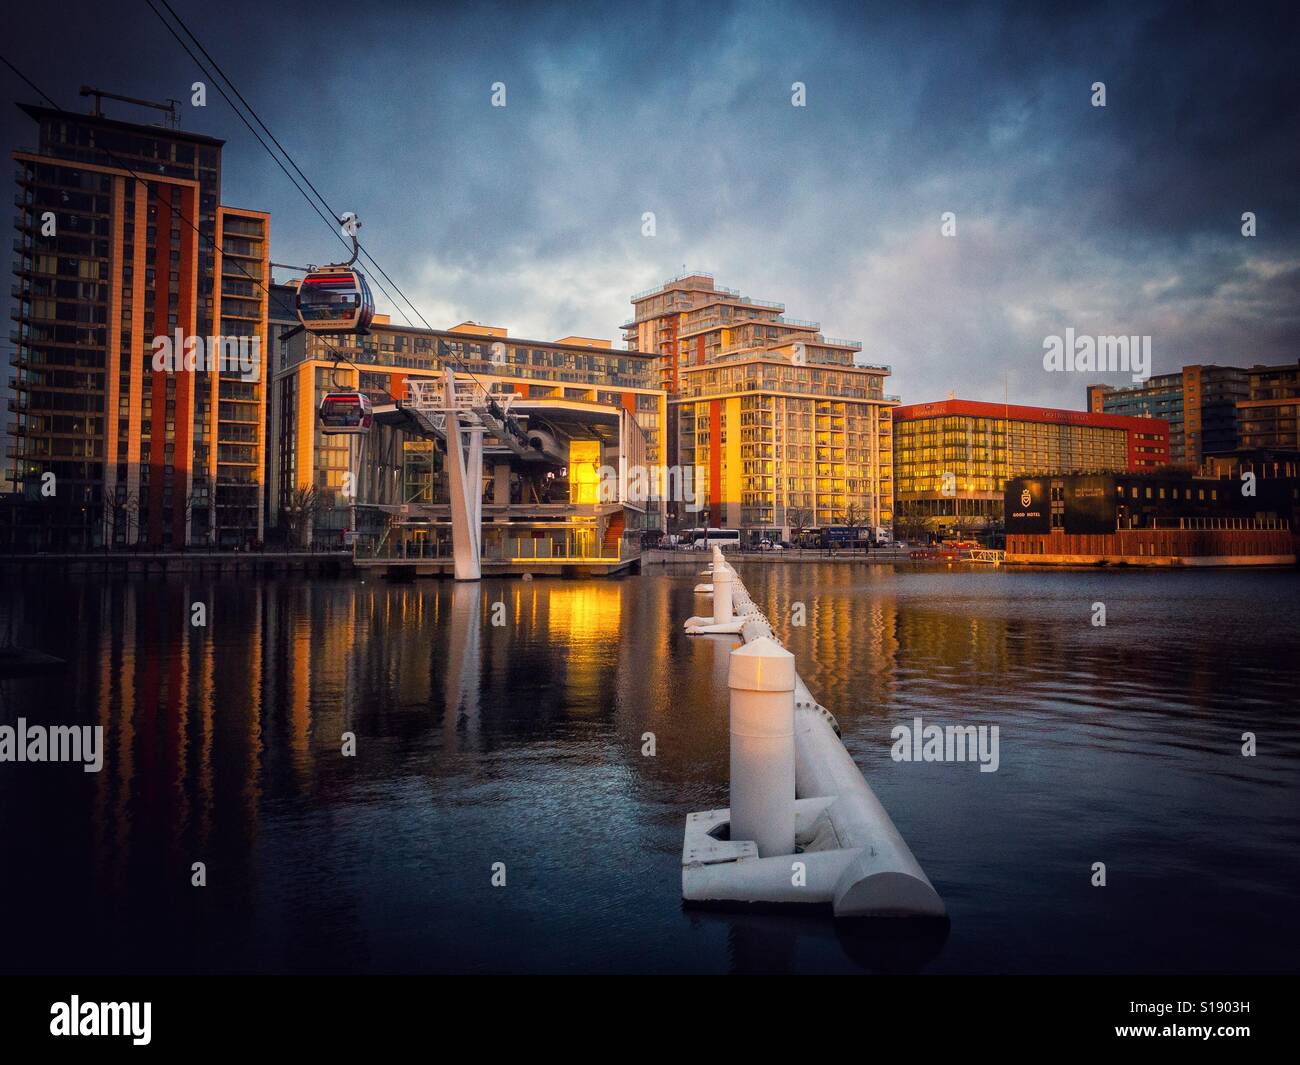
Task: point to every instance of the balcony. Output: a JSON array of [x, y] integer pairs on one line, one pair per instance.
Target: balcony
[[839, 342]]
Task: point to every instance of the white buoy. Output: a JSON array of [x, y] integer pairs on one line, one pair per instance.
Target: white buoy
[[825, 820], [722, 611], [761, 679]]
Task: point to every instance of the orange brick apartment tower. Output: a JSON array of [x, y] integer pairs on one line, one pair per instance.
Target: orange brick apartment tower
[[108, 258]]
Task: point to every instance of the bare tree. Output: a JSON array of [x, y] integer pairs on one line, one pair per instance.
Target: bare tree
[[800, 518], [120, 516], [854, 519], [912, 524], [298, 513]]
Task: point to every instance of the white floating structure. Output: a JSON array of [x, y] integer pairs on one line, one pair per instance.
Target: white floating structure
[[724, 620], [803, 826]]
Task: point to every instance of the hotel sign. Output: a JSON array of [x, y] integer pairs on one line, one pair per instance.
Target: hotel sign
[[1090, 504], [1027, 505], [1086, 504]]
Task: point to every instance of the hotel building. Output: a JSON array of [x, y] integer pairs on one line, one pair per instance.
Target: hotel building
[[108, 258], [782, 424], [952, 458], [580, 370], [1198, 402]]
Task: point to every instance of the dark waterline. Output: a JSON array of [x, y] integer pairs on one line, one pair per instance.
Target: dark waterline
[[522, 744]]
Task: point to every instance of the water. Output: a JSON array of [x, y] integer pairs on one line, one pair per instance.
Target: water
[[522, 744]]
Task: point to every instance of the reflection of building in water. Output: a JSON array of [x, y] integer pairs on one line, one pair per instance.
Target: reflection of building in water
[[181, 707], [847, 629], [582, 613]]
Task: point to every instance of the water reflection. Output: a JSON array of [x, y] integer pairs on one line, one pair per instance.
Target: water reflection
[[522, 742]]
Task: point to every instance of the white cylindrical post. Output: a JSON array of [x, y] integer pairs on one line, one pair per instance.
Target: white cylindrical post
[[762, 681], [722, 605]]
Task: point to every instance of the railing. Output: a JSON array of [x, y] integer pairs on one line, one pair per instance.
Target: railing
[[566, 546], [672, 280], [1214, 524]]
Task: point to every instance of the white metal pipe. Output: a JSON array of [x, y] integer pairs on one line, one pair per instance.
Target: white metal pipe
[[761, 680], [888, 878], [770, 880]]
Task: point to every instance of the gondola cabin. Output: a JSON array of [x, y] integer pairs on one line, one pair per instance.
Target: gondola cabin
[[335, 300], [345, 413]]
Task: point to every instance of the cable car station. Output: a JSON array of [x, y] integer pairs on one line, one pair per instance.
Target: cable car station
[[515, 484]]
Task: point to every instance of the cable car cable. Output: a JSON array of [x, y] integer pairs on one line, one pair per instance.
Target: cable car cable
[[190, 33], [276, 141], [332, 225], [339, 356]]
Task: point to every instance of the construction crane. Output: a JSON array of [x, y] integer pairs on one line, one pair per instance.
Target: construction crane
[[171, 107]]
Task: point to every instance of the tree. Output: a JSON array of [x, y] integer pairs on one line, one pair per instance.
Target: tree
[[800, 518], [911, 524], [119, 516], [298, 513], [854, 519]]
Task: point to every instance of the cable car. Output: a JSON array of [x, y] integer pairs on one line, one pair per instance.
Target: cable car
[[345, 413], [334, 301]]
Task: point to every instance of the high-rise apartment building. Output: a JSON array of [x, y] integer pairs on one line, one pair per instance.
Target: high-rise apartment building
[[1269, 415], [953, 458], [786, 429], [1199, 403], [122, 239]]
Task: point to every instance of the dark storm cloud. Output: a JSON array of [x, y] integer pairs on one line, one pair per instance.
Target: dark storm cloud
[[1122, 219]]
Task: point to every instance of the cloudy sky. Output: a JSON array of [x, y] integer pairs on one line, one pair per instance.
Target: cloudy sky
[[1124, 219]]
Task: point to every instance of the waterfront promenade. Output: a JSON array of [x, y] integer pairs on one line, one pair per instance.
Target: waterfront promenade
[[697, 559]]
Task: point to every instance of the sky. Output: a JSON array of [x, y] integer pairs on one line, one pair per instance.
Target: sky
[[1124, 219]]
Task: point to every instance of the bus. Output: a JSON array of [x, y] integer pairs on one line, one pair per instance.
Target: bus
[[840, 536], [704, 539]]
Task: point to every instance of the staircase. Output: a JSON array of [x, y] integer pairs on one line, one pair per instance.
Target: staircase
[[610, 547]]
